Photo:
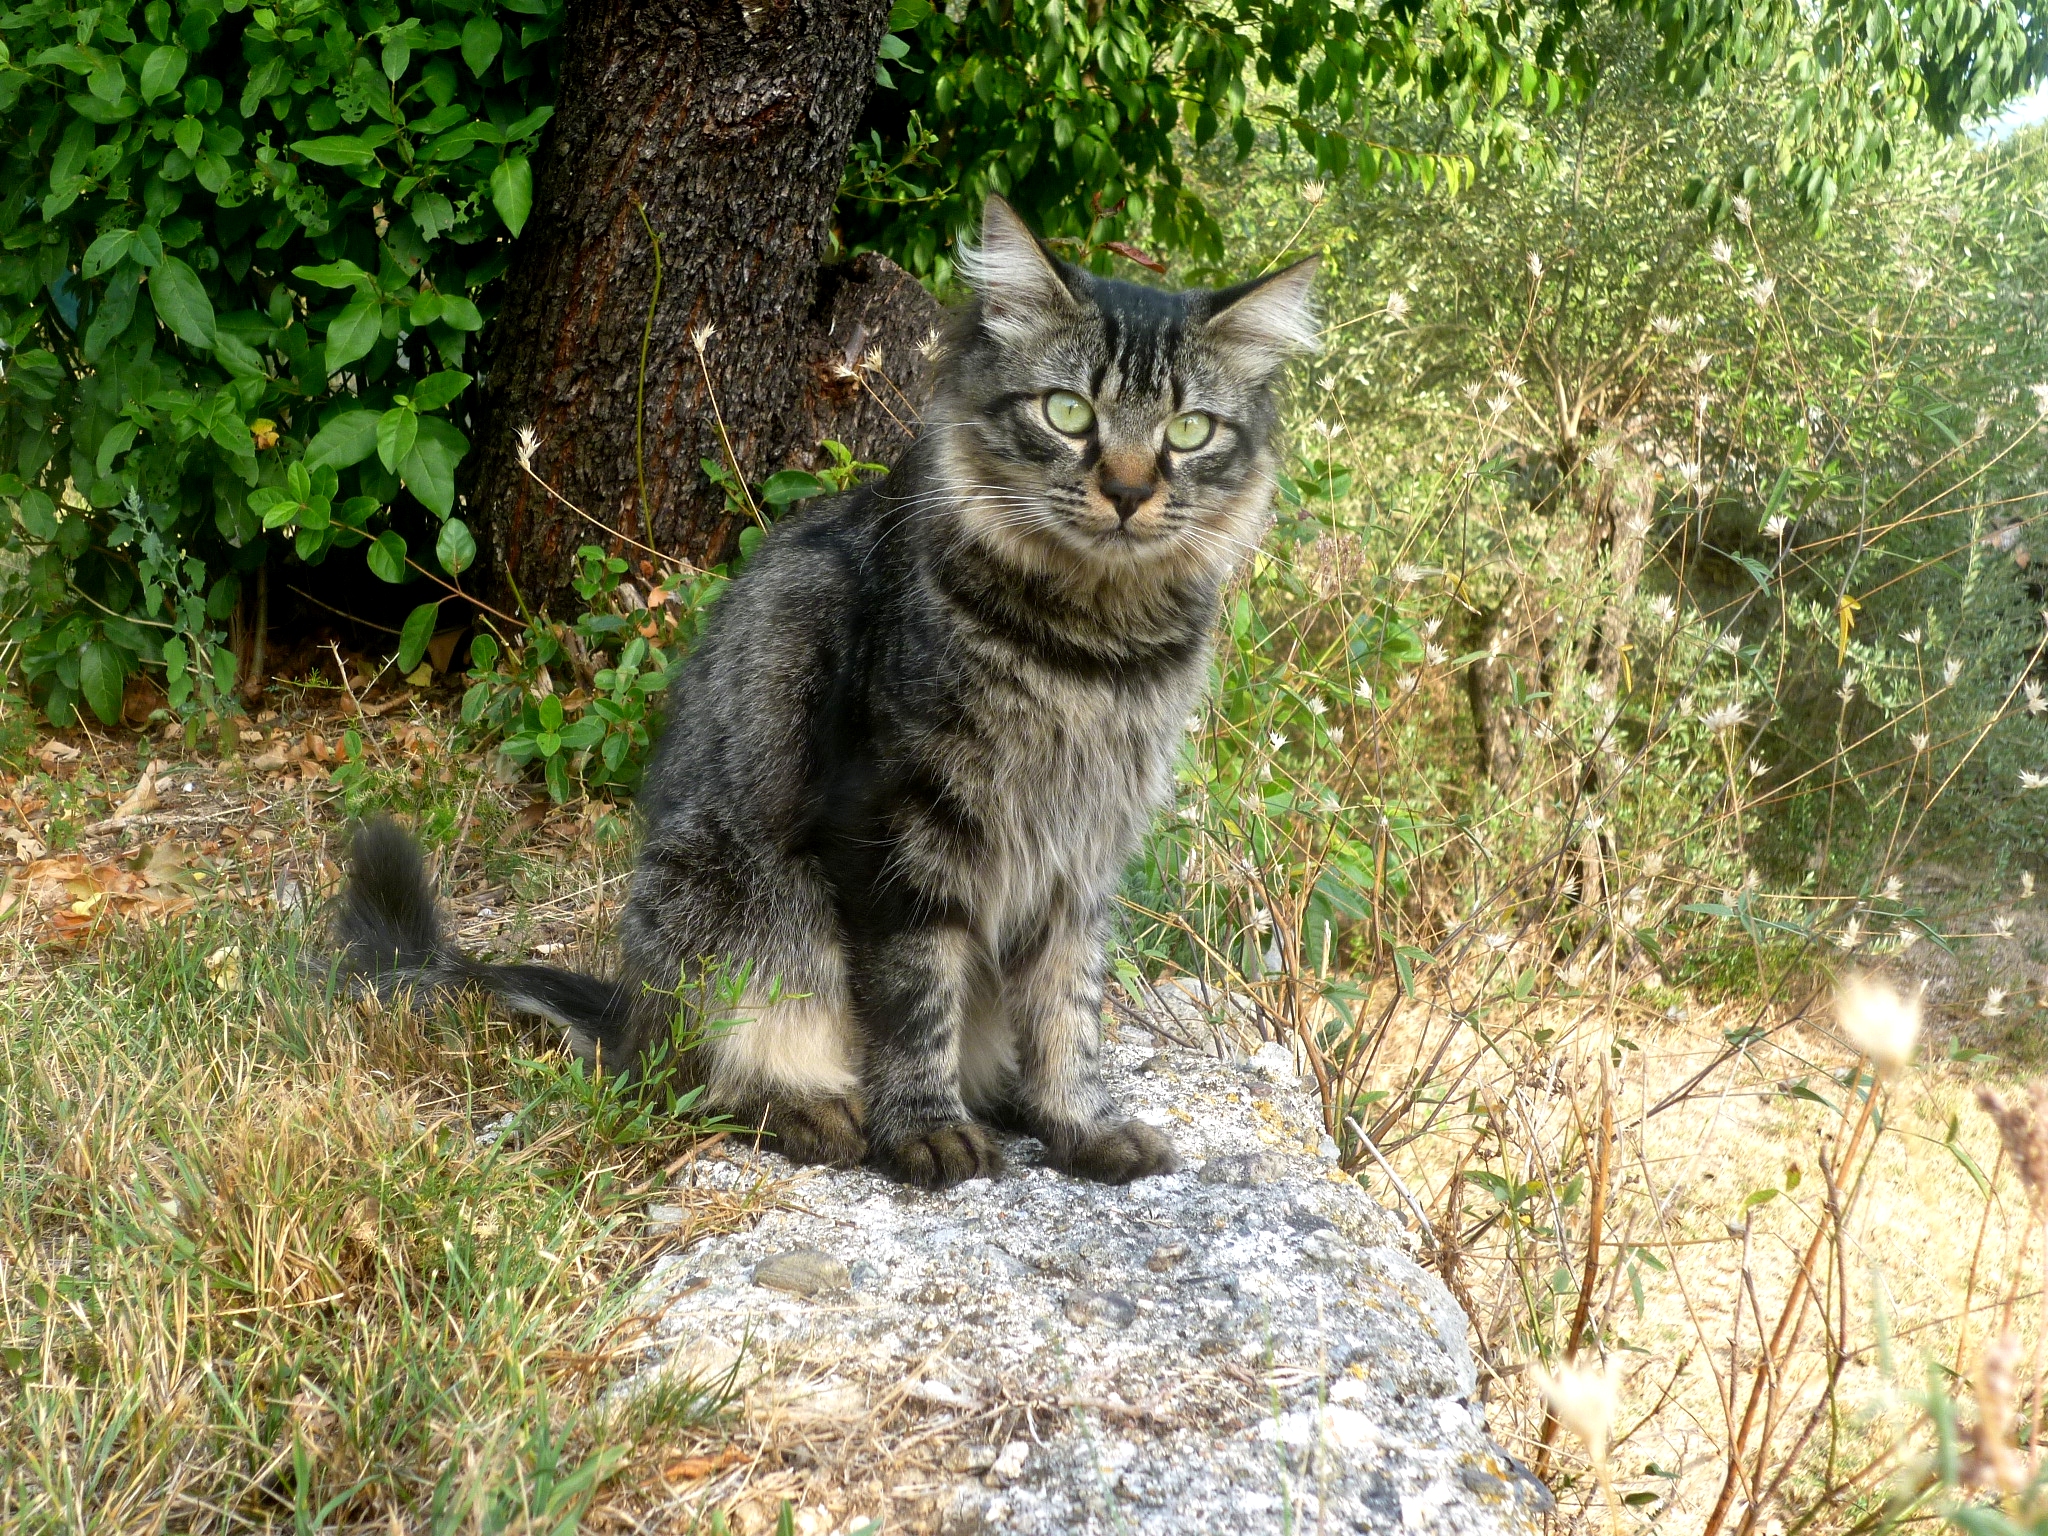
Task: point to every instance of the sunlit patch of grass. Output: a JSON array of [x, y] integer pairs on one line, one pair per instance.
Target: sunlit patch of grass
[[269, 1258]]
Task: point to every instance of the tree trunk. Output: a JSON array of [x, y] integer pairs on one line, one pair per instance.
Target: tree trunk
[[725, 123]]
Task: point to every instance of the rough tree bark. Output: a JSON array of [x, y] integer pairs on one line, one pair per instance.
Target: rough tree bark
[[726, 123]]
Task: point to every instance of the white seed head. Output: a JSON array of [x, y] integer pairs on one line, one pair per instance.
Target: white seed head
[[2026, 882], [1894, 888], [2036, 705], [1919, 741], [1951, 670], [1664, 325], [1994, 1002], [2032, 780], [1763, 290], [1878, 1021], [1535, 265], [1777, 526], [1912, 636], [1397, 307], [700, 337], [526, 441], [1724, 718], [1739, 206], [1852, 932], [1721, 251], [1584, 1402]]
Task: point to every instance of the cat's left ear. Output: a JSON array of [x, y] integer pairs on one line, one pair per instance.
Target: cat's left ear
[[1261, 324]]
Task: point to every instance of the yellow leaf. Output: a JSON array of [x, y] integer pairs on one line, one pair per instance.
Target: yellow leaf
[[1846, 610]]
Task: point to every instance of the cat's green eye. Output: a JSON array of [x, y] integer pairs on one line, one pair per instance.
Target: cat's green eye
[[1190, 430], [1069, 413]]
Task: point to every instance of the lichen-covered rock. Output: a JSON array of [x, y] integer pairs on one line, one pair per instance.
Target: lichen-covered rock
[[1244, 1346]]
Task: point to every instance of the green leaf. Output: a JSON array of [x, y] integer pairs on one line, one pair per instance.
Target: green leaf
[[459, 314], [413, 638], [396, 429], [181, 302], [335, 274], [456, 547], [238, 357], [779, 490], [512, 192], [481, 39], [38, 514], [348, 439], [429, 469], [162, 71], [437, 389], [386, 556], [104, 252], [102, 670], [354, 331], [177, 677], [342, 149]]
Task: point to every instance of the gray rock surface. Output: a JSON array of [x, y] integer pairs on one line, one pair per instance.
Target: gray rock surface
[[1245, 1346]]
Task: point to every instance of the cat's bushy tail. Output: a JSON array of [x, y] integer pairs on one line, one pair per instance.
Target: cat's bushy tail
[[388, 933]]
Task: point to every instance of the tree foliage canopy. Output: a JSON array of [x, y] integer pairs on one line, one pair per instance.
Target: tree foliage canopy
[[245, 248], [1070, 107]]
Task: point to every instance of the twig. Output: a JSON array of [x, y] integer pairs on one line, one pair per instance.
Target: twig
[[1414, 1205]]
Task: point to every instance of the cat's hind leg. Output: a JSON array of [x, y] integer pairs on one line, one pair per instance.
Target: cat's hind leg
[[786, 1065]]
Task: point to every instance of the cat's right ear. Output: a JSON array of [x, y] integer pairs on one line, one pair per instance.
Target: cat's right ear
[[1020, 286]]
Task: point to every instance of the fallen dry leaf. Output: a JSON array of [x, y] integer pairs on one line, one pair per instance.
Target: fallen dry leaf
[[55, 751], [140, 799], [689, 1469]]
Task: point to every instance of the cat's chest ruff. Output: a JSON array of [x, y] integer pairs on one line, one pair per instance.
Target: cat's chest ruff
[[1070, 773]]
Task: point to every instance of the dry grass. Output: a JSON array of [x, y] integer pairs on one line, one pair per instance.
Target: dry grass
[[268, 1261]]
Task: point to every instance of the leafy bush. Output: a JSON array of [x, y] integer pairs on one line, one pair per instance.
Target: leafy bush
[[243, 264]]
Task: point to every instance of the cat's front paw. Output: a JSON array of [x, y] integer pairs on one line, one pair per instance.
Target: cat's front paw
[[943, 1155], [824, 1131], [1115, 1154]]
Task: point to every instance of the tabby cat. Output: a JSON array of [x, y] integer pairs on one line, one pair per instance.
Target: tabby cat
[[908, 761]]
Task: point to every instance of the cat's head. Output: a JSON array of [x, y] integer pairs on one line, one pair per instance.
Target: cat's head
[[1090, 424]]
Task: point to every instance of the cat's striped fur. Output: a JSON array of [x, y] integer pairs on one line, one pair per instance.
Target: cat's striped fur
[[907, 763]]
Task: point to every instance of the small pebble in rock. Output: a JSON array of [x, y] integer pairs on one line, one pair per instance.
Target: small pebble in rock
[[1009, 1466], [803, 1272], [1246, 1169], [664, 1218], [1157, 1063], [971, 1458], [1165, 1256], [1085, 1307]]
